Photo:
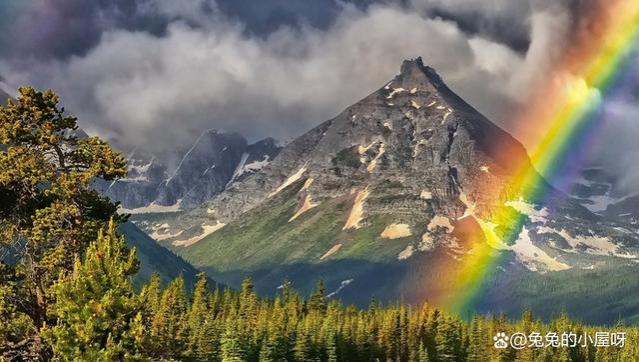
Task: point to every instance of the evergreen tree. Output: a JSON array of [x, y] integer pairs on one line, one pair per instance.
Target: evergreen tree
[[49, 213], [317, 301], [95, 306], [169, 327], [199, 332], [446, 339], [423, 353], [231, 346]]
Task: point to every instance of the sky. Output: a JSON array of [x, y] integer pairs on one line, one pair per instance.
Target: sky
[[156, 73]]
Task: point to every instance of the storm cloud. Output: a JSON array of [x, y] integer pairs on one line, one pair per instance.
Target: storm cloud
[[155, 73], [207, 70]]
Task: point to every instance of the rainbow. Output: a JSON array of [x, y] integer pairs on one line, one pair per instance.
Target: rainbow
[[567, 109]]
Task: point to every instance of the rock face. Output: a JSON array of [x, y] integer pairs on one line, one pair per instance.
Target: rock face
[[204, 171], [213, 162], [392, 195], [413, 138]]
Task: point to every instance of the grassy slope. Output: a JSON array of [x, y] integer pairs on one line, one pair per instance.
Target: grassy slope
[[266, 245], [155, 258], [600, 296]]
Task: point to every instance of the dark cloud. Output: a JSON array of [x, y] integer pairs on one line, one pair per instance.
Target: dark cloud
[[508, 25], [41, 29], [157, 72]]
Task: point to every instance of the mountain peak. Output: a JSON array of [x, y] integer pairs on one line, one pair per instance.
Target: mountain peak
[[414, 74]]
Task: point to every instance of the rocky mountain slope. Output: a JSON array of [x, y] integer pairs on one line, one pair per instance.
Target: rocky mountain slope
[[600, 193], [215, 160], [386, 200]]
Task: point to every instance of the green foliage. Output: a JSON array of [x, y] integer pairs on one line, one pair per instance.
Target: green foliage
[[347, 157], [96, 305], [48, 211]]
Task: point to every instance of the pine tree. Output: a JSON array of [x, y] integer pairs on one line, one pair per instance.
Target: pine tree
[[476, 342], [230, 345], [446, 340], [423, 353], [169, 327], [317, 301], [49, 211], [96, 305], [303, 350], [198, 330]]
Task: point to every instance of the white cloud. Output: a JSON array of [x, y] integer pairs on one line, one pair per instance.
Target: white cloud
[[150, 90]]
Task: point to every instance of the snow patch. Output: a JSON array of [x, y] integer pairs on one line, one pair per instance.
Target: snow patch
[[413, 91], [207, 230], [141, 169], [373, 163], [362, 149], [307, 184], [488, 228], [331, 251], [470, 206], [406, 253], [342, 285], [431, 104], [292, 179], [523, 207], [306, 205], [596, 245], [239, 169], [532, 256], [357, 211], [153, 208], [415, 105], [425, 195], [446, 115], [388, 125], [395, 91], [256, 165], [163, 235], [440, 221], [427, 243], [599, 203], [396, 231]]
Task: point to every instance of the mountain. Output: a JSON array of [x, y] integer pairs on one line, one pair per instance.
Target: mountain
[[598, 191], [215, 160], [393, 196]]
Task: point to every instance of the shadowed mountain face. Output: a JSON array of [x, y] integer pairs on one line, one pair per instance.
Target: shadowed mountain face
[[214, 161], [156, 259], [412, 180]]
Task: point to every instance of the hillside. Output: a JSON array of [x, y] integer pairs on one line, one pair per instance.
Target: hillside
[[156, 259], [391, 199]]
